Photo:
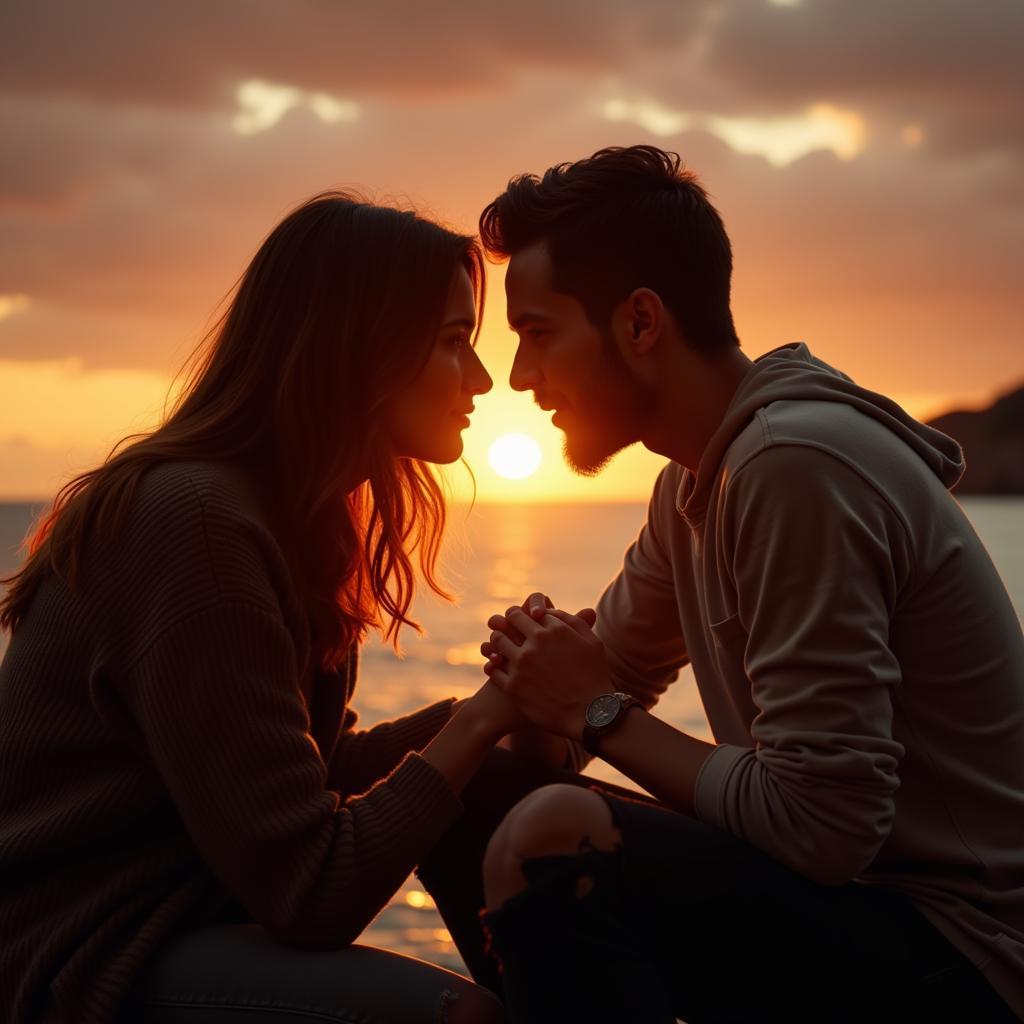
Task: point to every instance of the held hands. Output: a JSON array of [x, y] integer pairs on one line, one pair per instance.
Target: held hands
[[548, 662], [495, 712]]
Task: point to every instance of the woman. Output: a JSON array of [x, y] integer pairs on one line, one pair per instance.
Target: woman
[[188, 818]]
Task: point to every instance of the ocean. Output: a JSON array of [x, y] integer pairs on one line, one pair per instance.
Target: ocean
[[494, 556]]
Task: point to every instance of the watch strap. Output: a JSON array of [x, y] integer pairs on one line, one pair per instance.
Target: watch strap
[[592, 734]]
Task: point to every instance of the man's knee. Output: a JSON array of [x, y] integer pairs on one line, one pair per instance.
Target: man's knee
[[551, 821]]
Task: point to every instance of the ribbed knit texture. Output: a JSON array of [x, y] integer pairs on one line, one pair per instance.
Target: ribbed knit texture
[[165, 752]]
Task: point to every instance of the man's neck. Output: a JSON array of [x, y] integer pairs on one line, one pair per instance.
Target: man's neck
[[692, 400]]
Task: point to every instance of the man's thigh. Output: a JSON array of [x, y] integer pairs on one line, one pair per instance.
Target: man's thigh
[[738, 936]]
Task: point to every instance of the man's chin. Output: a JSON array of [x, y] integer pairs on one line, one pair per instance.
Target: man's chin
[[588, 459]]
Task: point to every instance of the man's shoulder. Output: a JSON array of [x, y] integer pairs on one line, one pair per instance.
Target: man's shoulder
[[836, 428]]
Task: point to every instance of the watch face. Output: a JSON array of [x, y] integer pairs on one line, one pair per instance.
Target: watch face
[[602, 710]]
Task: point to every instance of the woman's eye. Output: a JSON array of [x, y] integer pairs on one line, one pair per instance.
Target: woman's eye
[[459, 340]]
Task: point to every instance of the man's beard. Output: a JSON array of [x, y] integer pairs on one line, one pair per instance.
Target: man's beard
[[611, 417]]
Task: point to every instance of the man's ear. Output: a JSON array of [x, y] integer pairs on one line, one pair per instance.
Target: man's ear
[[641, 320]]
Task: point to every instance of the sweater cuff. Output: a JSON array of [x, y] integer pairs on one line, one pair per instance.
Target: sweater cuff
[[431, 803], [712, 779], [414, 731]]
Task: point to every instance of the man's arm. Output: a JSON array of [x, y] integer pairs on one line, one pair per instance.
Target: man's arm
[[819, 561], [637, 620]]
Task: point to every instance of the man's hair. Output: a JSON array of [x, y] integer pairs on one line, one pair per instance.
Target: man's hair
[[625, 218]]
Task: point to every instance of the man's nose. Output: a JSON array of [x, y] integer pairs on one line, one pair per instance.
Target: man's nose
[[525, 376]]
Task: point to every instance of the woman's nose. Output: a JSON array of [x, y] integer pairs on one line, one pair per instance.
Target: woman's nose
[[479, 379]]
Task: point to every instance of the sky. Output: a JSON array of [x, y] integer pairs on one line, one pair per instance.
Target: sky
[[866, 158]]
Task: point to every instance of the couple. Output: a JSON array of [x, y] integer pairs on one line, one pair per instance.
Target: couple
[[193, 830]]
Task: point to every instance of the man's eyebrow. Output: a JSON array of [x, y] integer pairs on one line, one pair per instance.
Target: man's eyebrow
[[525, 319]]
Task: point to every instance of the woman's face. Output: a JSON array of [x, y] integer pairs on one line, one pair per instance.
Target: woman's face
[[426, 420]]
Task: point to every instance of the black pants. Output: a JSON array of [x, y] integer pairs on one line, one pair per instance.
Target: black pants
[[236, 973], [685, 920]]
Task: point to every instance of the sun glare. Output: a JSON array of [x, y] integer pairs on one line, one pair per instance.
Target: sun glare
[[514, 456]]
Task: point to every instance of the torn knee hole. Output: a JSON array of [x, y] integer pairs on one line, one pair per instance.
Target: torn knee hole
[[584, 884], [444, 1007]]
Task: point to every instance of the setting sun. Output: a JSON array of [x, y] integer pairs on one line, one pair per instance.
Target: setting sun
[[514, 456]]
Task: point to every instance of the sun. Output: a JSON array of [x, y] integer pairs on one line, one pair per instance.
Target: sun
[[514, 456]]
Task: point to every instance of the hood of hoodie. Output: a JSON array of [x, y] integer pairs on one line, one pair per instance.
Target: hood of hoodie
[[789, 373]]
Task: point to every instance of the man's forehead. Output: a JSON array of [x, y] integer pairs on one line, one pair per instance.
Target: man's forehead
[[529, 269]]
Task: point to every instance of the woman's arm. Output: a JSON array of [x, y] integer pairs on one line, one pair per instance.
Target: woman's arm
[[362, 756], [220, 715], [474, 728]]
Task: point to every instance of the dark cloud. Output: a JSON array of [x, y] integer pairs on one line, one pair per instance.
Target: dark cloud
[[951, 65], [193, 52], [59, 151], [128, 205]]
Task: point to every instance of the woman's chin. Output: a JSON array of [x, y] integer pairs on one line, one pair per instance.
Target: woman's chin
[[443, 454]]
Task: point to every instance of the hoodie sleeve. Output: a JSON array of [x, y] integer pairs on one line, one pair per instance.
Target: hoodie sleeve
[[818, 560]]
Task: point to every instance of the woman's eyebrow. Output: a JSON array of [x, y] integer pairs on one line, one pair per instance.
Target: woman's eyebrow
[[461, 321]]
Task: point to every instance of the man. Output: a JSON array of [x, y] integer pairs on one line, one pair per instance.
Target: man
[[851, 847]]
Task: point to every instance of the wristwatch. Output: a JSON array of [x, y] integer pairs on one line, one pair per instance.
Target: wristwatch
[[604, 713]]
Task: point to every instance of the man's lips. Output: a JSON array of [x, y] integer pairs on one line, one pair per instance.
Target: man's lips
[[547, 406]]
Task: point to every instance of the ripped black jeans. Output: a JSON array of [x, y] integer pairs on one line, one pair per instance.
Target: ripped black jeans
[[686, 921]]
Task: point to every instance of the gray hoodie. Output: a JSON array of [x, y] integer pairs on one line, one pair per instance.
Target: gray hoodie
[[857, 655]]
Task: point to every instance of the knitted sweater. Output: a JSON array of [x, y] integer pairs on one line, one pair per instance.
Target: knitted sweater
[[163, 756]]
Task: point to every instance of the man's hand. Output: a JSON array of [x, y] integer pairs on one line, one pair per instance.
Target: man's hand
[[554, 670], [536, 606]]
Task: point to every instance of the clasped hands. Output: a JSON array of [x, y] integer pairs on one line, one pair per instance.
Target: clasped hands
[[548, 663]]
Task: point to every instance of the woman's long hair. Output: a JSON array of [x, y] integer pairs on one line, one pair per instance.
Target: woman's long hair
[[334, 316]]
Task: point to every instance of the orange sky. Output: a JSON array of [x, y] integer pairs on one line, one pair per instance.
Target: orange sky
[[866, 159]]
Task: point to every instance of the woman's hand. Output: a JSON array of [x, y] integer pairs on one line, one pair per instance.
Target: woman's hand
[[554, 672], [492, 710]]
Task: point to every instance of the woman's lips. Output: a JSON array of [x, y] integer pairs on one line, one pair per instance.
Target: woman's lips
[[462, 418]]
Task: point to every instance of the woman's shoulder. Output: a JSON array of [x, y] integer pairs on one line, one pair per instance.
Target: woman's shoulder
[[194, 487], [195, 531]]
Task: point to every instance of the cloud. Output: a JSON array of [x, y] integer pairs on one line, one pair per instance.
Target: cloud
[[12, 304], [780, 140], [874, 206], [264, 104], [192, 53], [59, 151], [951, 66]]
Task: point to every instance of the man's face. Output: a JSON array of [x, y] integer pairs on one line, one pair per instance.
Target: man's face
[[571, 366]]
